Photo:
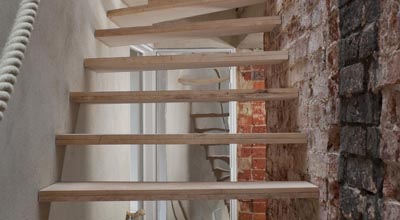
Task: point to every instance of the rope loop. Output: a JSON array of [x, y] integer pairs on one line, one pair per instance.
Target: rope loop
[[14, 50]]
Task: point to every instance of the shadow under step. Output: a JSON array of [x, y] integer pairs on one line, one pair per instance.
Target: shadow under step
[[221, 174], [212, 130], [186, 31], [152, 14], [134, 191], [210, 115], [188, 61], [224, 158], [183, 96], [110, 139]]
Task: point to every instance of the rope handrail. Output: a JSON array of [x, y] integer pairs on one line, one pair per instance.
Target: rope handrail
[[14, 50]]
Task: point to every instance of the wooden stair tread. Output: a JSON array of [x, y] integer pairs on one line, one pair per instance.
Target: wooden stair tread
[[152, 14], [186, 31], [174, 96], [115, 139], [130, 191], [191, 61]]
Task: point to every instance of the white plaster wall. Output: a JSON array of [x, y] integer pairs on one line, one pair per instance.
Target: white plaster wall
[[40, 108]]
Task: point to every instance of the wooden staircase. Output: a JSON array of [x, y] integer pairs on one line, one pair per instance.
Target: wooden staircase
[[153, 14], [130, 191], [194, 30], [126, 64]]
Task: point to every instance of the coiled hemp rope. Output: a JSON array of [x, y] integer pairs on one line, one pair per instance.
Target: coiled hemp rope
[[14, 50]]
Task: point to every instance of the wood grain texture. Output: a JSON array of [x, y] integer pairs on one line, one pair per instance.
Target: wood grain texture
[[192, 61], [205, 139], [174, 96], [186, 31], [129, 191], [168, 11]]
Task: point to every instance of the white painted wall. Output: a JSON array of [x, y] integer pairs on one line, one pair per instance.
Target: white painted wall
[[39, 108]]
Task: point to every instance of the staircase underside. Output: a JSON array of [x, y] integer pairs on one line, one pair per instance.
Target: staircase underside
[[152, 14], [109, 139], [129, 191], [191, 30], [192, 61]]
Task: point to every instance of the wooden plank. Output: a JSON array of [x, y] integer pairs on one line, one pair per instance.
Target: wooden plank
[[186, 31], [131, 191], [193, 61], [167, 11], [183, 96], [193, 138]]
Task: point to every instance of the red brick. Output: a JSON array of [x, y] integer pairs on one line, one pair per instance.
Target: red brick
[[246, 76], [258, 108], [259, 207], [244, 164], [245, 216], [244, 129], [258, 85], [259, 152], [259, 163], [260, 200], [259, 119], [246, 206], [244, 176], [259, 216], [245, 151], [258, 175], [259, 129], [245, 120]]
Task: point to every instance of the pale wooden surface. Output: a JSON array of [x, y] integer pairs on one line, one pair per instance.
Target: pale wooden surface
[[191, 61], [174, 96], [206, 139], [167, 11], [129, 191], [193, 30]]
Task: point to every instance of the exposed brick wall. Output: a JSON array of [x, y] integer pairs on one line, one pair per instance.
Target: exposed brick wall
[[354, 146], [360, 169], [251, 158], [387, 80], [310, 33]]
